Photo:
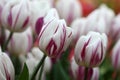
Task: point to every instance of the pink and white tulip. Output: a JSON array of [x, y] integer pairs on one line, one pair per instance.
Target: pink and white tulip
[[39, 9], [55, 36], [20, 43], [116, 56], [69, 10], [100, 19], [78, 27], [90, 49], [114, 32], [2, 4], [7, 71], [15, 15]]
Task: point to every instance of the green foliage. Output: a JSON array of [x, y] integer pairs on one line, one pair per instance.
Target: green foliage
[[24, 74]]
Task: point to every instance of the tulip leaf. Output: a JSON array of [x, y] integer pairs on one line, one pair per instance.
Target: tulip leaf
[[24, 74]]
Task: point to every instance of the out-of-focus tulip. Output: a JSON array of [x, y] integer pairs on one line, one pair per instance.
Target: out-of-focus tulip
[[100, 19], [20, 43], [33, 58], [69, 10], [6, 67], [116, 56], [79, 72], [90, 49], [2, 4], [39, 9], [54, 36], [15, 15], [78, 27], [114, 32]]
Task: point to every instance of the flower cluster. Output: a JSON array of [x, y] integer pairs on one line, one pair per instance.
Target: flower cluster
[[57, 40]]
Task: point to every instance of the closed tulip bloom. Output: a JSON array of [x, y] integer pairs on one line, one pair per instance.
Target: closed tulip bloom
[[6, 67], [116, 56], [90, 49], [114, 32], [79, 72], [78, 27], [39, 9], [20, 43], [2, 4], [100, 19], [69, 10], [16, 15], [55, 36]]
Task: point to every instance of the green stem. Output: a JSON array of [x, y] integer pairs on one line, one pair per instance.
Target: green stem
[[2, 36], [6, 43], [62, 71], [37, 68], [86, 73], [41, 70]]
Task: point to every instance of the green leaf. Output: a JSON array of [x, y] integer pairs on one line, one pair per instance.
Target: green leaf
[[24, 74]]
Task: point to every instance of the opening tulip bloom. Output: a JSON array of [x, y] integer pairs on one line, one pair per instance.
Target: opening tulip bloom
[[15, 15], [55, 36], [90, 49]]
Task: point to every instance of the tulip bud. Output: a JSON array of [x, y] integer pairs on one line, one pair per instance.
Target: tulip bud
[[39, 10], [6, 67], [115, 28], [78, 27], [34, 58], [79, 72], [100, 19], [69, 10], [55, 36], [116, 56], [15, 15], [20, 43], [90, 49]]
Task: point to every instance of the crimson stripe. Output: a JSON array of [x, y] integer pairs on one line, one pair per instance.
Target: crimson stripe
[[84, 49]]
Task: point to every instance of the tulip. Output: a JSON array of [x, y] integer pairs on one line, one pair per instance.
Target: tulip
[[39, 10], [15, 15], [100, 19], [20, 43], [78, 27], [55, 36], [2, 4], [32, 60], [90, 49], [6, 67], [114, 32], [78, 72], [116, 56], [69, 10]]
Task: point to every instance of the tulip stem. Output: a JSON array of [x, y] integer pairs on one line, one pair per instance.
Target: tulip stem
[[6, 43], [41, 70], [37, 68], [86, 73]]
